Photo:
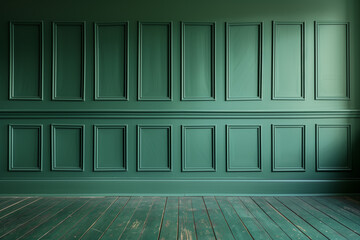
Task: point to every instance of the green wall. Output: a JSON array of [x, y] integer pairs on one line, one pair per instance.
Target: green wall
[[179, 97]]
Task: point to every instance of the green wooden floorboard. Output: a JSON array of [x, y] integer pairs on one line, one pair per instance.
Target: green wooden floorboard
[[269, 225], [56, 220], [311, 219], [135, 225], [186, 219], [117, 227], [203, 225], [37, 220], [8, 202], [354, 226], [219, 223], [237, 227], [254, 227], [101, 225], [12, 221], [304, 226], [208, 218], [169, 228], [17, 207], [88, 220], [339, 228], [339, 208], [72, 221], [151, 229], [288, 227]]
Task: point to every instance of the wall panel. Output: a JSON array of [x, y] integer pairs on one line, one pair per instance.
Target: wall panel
[[155, 61], [67, 147], [333, 148], [111, 61], [198, 61], [288, 76], [26, 61], [332, 67], [288, 148], [198, 148], [243, 148], [68, 61], [154, 148], [110, 147], [244, 61], [25, 147]]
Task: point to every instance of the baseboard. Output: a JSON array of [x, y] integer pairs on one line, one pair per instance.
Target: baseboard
[[189, 187]]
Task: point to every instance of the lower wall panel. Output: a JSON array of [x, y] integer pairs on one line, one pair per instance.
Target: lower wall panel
[[179, 155]]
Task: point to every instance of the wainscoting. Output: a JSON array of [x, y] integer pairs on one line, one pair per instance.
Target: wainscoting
[[186, 97]]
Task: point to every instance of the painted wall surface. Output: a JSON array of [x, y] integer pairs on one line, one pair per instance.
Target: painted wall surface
[[179, 97]]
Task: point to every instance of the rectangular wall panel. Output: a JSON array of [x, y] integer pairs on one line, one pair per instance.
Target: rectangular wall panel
[[67, 147], [243, 61], [288, 67], [243, 148], [154, 148], [110, 148], [288, 148], [25, 147], [333, 148], [332, 61], [155, 61], [111, 61], [198, 61], [26, 61], [198, 148], [68, 61]]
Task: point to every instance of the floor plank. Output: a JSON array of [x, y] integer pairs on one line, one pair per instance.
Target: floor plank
[[8, 202], [89, 219], [219, 223], [56, 220], [254, 227], [237, 227], [269, 225], [311, 219], [18, 206], [288, 227], [37, 220], [203, 225], [151, 229], [186, 220], [12, 221], [170, 225], [101, 225], [118, 226], [137, 221], [304, 226]]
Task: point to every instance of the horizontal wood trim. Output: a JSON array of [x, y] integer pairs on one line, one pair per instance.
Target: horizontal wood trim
[[177, 187], [181, 114]]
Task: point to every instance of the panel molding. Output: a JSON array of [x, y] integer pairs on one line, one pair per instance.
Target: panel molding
[[316, 48], [54, 96], [228, 159], [303, 149], [96, 145], [213, 61], [11, 167], [170, 61], [54, 127], [317, 144], [12, 63], [273, 80], [97, 97], [184, 168], [260, 63], [139, 168]]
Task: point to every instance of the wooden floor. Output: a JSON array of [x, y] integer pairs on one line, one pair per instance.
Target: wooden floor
[[180, 218]]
